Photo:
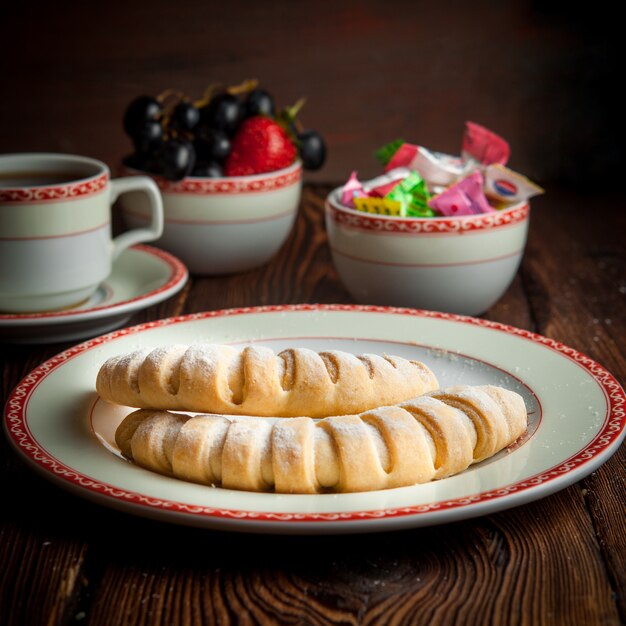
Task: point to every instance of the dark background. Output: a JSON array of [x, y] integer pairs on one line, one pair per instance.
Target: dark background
[[542, 74]]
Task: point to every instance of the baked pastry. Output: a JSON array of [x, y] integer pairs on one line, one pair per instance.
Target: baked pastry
[[256, 381], [428, 437]]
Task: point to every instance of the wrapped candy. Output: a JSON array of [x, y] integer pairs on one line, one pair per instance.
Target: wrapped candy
[[436, 168], [380, 206], [400, 192], [402, 156], [463, 185], [439, 169], [413, 195], [351, 190], [483, 145], [463, 198], [509, 187], [382, 185], [385, 153]]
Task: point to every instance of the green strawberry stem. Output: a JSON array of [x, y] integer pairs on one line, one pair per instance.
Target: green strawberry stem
[[287, 119], [293, 110]]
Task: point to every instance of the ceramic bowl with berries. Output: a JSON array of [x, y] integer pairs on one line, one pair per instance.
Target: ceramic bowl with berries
[[229, 168]]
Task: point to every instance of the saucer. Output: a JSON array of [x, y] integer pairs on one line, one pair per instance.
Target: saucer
[[141, 276]]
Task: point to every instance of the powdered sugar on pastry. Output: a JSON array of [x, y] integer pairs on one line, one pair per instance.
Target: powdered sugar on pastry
[[412, 442], [256, 381]]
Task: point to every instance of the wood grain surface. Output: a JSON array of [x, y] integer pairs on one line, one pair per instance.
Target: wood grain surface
[[560, 560]]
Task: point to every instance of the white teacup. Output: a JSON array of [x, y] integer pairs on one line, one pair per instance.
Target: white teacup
[[55, 228]]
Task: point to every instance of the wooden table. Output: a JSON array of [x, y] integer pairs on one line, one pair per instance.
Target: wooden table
[[560, 560]]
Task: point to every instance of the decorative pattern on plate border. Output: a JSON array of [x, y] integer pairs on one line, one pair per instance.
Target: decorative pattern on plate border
[[69, 191], [429, 226], [17, 428]]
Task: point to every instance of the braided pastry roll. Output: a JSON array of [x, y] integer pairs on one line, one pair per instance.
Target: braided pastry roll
[[429, 437], [256, 381]]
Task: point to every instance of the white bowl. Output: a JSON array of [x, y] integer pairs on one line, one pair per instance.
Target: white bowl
[[457, 265], [223, 225]]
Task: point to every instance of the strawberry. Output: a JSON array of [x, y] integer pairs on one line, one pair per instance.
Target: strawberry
[[259, 146]]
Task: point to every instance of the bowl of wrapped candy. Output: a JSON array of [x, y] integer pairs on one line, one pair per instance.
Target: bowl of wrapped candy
[[229, 168], [434, 231]]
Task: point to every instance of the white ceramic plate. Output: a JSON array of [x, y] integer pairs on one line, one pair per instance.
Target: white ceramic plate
[[576, 414], [141, 276]]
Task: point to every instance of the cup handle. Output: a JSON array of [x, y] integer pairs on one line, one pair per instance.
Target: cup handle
[[155, 229]]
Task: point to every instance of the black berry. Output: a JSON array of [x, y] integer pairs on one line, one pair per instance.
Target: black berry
[[177, 159], [208, 170], [140, 111], [185, 116], [312, 149], [148, 137], [259, 102], [212, 144], [224, 112]]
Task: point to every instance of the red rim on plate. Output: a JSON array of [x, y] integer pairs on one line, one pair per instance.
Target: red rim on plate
[[576, 466]]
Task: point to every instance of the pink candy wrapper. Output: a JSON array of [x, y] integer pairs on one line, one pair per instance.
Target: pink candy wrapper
[[352, 189], [463, 198], [402, 157], [484, 145]]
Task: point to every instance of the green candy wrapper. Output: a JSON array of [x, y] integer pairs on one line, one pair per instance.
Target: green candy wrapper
[[385, 153], [413, 196]]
